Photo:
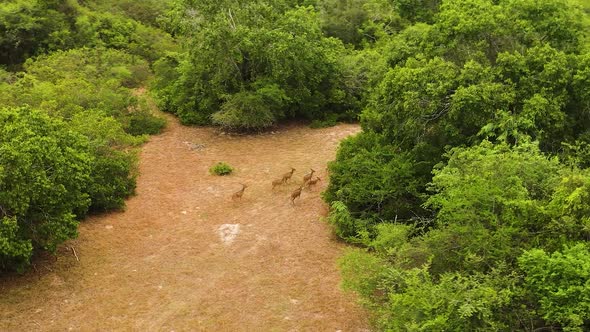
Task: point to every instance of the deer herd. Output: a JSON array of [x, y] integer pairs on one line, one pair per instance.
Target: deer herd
[[308, 181]]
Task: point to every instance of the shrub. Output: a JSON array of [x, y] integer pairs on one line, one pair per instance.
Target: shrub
[[246, 111], [559, 282], [44, 171], [112, 180], [373, 179], [329, 121], [143, 122], [14, 250], [346, 226], [114, 165], [221, 168], [284, 67]]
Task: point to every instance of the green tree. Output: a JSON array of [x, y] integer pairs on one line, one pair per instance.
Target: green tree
[[91, 90], [359, 22], [30, 27], [253, 65], [44, 171], [376, 180], [470, 76], [461, 271], [561, 284]]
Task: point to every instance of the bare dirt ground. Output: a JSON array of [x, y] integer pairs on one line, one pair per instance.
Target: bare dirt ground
[[185, 257]]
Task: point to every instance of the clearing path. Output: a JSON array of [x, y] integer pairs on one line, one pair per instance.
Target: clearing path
[[185, 257]]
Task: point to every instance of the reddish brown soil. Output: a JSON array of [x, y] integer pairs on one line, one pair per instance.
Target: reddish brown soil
[[161, 265]]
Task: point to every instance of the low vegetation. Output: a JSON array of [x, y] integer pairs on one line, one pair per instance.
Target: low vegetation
[[221, 168]]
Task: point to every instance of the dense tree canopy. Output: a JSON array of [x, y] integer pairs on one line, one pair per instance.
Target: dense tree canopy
[[29, 28], [507, 88], [44, 171], [251, 64], [71, 118], [495, 207], [471, 162]]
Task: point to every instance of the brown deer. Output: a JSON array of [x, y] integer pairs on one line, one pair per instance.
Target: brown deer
[[239, 193], [277, 183], [308, 177], [287, 176], [313, 182], [296, 194]]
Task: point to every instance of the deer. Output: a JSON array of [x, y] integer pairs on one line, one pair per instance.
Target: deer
[[239, 193], [287, 176], [308, 177], [277, 183], [296, 194], [312, 182]]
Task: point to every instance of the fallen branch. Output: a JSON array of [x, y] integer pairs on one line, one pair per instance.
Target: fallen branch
[[74, 251]]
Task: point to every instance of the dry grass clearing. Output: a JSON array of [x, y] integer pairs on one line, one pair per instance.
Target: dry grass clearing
[[185, 257]]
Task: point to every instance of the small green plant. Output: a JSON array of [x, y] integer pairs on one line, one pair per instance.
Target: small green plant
[[221, 168]]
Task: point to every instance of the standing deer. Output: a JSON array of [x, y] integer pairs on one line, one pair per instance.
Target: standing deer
[[313, 182], [295, 194], [287, 176], [239, 193], [308, 177]]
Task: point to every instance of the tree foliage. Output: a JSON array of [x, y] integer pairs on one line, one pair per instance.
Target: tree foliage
[[30, 28], [468, 184], [70, 127], [44, 174], [448, 85], [560, 282], [251, 65], [499, 211]]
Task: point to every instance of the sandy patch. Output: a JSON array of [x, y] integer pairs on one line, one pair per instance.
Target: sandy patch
[[228, 233]]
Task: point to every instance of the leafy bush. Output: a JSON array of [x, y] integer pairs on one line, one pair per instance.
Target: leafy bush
[[415, 300], [560, 283], [68, 151], [33, 28], [44, 173], [280, 65], [65, 83], [330, 121], [461, 271], [15, 251], [221, 168], [390, 237], [112, 180], [363, 273], [103, 29], [453, 302], [346, 226], [115, 163], [374, 180], [146, 11], [357, 22], [143, 122], [89, 89], [466, 76], [244, 110], [29, 27]]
